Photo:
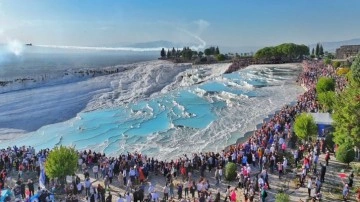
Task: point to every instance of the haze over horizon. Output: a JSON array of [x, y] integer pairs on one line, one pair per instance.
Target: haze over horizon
[[230, 24]]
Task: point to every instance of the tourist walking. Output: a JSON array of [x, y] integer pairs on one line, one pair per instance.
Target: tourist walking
[[309, 186]]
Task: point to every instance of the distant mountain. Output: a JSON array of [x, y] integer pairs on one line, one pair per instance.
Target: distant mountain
[[155, 44], [332, 46]]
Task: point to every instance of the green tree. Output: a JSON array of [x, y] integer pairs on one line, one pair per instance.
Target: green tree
[[220, 57], [346, 114], [62, 161], [173, 52], [207, 51], [305, 126], [168, 54], [230, 171], [217, 52], [162, 53], [345, 153], [327, 100], [282, 51], [317, 49], [336, 64], [200, 54], [327, 61], [325, 84], [355, 68], [313, 51], [321, 50]]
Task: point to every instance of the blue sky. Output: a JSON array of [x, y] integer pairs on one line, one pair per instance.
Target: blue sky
[[225, 23]]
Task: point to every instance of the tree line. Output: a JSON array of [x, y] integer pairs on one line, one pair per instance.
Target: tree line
[[284, 51], [187, 53], [318, 51]]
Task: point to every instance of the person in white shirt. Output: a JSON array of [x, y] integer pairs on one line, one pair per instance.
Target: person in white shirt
[[124, 177], [79, 187], [151, 188], [284, 165], [132, 174], [248, 168], [309, 186], [87, 186], [96, 171], [261, 182], [220, 173], [80, 162]]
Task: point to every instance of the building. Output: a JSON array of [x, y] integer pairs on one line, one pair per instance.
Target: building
[[347, 51]]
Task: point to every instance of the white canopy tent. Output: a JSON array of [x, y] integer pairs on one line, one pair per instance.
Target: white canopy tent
[[322, 118]]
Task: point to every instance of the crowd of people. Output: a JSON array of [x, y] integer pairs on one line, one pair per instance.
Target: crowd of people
[[188, 176]]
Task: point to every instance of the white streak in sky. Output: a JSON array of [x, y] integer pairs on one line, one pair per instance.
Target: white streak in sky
[[102, 48], [202, 25]]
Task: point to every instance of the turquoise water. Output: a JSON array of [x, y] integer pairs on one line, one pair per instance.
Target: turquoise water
[[165, 117]]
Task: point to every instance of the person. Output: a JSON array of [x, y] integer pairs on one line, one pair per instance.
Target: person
[[22, 187], [186, 188], [318, 185], [217, 176], [17, 191], [96, 171], [351, 179], [79, 187], [220, 173], [128, 197], [217, 197], [322, 172], [87, 186], [120, 199], [109, 198], [106, 182], [345, 192], [309, 186], [327, 158], [124, 176], [263, 195], [233, 195], [30, 185], [154, 196], [227, 193], [166, 192], [284, 165], [280, 168]]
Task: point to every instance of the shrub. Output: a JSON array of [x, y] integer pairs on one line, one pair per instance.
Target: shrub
[[342, 71], [220, 57], [230, 171], [345, 153], [282, 197], [355, 167], [336, 64], [327, 61], [325, 84], [305, 126]]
